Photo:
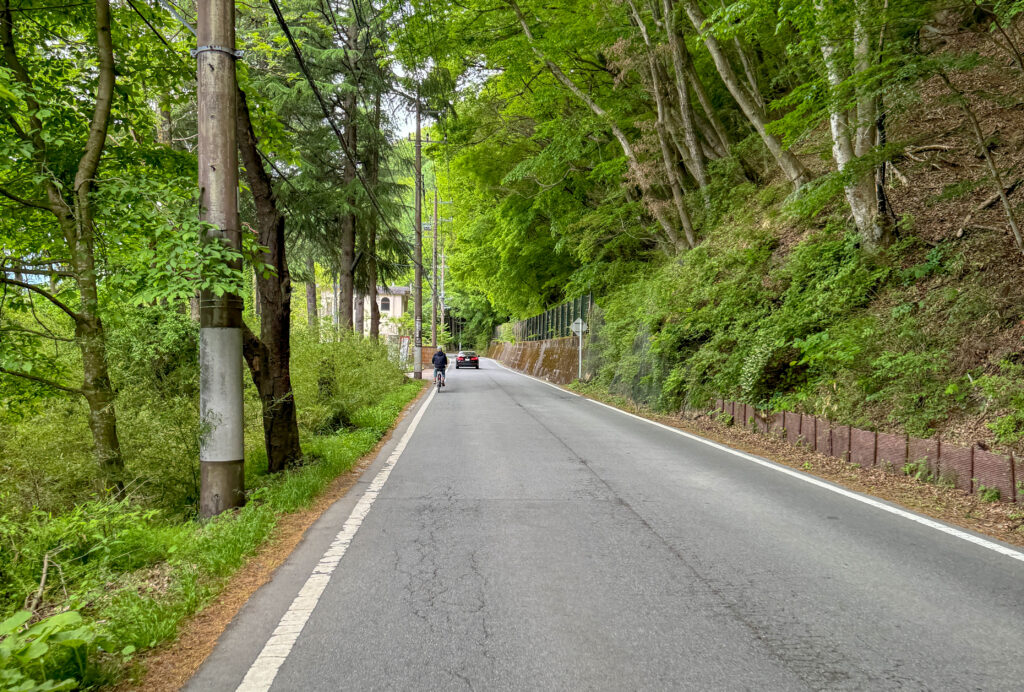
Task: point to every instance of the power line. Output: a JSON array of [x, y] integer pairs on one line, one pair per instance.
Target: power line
[[330, 120]]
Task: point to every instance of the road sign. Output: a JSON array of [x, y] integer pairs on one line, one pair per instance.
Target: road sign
[[578, 326]]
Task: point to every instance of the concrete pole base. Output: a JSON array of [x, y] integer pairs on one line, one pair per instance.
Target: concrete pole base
[[222, 486]]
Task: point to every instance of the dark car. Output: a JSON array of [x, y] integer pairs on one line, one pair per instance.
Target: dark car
[[467, 359]]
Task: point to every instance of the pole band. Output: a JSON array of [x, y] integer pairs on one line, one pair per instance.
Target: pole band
[[234, 54]]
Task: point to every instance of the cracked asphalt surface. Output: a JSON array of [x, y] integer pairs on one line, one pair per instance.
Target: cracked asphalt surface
[[530, 539]]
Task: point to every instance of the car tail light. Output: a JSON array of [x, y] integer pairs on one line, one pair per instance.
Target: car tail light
[[473, 358]]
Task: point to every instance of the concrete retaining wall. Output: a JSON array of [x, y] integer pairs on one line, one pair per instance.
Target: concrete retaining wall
[[555, 360]]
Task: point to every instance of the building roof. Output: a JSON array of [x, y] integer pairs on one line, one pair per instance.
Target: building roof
[[394, 290]]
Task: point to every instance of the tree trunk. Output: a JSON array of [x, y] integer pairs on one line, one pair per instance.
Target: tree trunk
[[359, 314], [627, 148], [257, 308], [164, 124], [860, 192], [348, 227], [312, 320], [720, 141], [666, 155], [371, 241], [336, 314], [75, 219], [678, 48], [268, 355], [751, 74], [711, 145], [348, 242], [791, 166]]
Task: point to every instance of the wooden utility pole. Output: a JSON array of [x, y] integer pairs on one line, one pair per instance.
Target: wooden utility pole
[[417, 350], [221, 451], [433, 278], [417, 368], [439, 243]]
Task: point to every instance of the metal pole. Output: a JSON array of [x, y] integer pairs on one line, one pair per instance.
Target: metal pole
[[433, 280], [579, 375], [221, 450], [417, 351]]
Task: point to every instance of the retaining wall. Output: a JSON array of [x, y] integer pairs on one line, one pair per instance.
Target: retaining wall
[[555, 360], [968, 468]]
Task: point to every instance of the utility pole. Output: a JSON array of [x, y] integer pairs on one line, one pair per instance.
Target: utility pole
[[221, 451], [433, 278], [417, 349], [443, 306], [417, 366], [439, 243]]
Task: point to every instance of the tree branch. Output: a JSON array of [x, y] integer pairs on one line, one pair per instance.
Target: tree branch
[[11, 58], [33, 332], [14, 282], [42, 380], [104, 98]]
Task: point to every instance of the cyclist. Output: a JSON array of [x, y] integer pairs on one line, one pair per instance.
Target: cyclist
[[440, 363]]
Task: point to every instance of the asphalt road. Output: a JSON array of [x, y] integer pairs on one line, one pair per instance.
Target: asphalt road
[[530, 539]]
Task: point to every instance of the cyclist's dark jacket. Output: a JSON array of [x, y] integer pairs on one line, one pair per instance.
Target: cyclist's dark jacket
[[440, 360]]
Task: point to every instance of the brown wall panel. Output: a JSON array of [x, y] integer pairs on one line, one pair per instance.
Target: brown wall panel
[[924, 450], [993, 471], [862, 447], [807, 432], [792, 425], [762, 421], [892, 451], [841, 442], [955, 465], [824, 434]]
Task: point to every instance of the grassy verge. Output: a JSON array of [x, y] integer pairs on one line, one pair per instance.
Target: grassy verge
[[121, 577]]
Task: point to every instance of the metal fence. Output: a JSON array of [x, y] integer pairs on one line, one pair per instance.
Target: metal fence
[[553, 323]]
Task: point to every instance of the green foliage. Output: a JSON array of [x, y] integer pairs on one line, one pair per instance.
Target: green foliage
[[336, 382], [1004, 391], [919, 470], [34, 657], [724, 320], [802, 331], [987, 494], [134, 569]]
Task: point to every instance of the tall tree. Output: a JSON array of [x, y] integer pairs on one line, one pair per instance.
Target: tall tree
[[66, 194], [269, 354]]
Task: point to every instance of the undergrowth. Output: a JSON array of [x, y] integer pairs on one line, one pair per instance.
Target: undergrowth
[[771, 312], [121, 576]]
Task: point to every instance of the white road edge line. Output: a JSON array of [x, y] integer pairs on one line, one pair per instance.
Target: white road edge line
[[870, 501], [264, 669]]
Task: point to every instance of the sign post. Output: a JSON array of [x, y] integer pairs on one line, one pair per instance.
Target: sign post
[[578, 328]]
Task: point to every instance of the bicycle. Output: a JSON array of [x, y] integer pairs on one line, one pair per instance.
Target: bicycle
[[438, 379]]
